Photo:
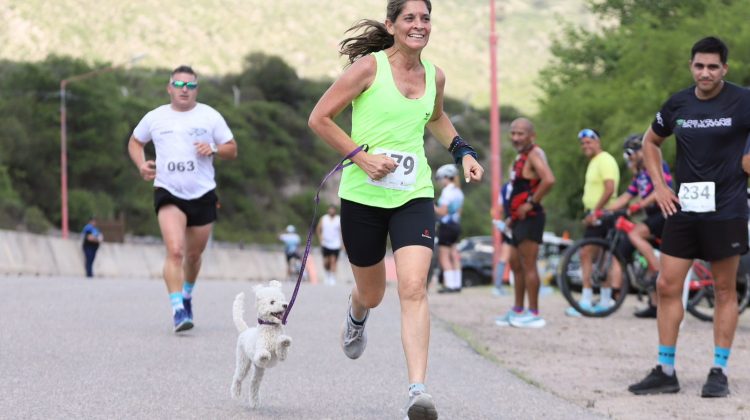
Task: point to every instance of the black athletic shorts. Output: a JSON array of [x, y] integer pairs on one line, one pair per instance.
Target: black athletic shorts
[[200, 211], [655, 223], [365, 229], [688, 237], [329, 251], [600, 230], [448, 233], [530, 228]]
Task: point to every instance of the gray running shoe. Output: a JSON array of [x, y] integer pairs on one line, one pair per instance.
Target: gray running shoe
[[353, 336], [421, 407]]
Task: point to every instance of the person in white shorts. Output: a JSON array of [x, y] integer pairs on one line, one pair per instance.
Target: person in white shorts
[[329, 235], [186, 135]]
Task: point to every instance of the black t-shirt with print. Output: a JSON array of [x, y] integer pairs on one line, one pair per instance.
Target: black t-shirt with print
[[711, 136]]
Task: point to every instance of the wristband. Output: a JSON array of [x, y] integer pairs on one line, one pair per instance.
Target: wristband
[[598, 214], [459, 148], [634, 208]]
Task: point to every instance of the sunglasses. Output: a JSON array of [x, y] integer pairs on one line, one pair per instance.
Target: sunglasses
[[628, 153], [179, 84], [587, 132]]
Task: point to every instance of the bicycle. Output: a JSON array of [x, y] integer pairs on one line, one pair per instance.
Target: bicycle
[[604, 251], [701, 302], [295, 262], [698, 289]]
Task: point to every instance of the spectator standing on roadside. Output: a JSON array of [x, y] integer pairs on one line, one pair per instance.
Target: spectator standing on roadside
[[599, 189], [92, 238], [707, 218], [502, 224], [448, 210], [187, 135], [531, 180]]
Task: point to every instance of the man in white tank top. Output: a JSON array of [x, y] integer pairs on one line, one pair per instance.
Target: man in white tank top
[[329, 235], [186, 136]]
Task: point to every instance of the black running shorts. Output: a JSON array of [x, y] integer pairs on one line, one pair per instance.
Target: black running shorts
[[327, 252], [688, 237], [365, 229], [200, 211], [528, 229], [448, 233]]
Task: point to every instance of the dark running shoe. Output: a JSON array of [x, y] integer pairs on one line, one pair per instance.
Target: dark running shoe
[[648, 312], [716, 385], [657, 382], [188, 304], [181, 321]]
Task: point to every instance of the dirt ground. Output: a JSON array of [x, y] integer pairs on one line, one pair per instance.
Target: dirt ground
[[591, 361]]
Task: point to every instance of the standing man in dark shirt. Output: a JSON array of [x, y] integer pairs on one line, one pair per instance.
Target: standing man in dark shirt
[[707, 218]]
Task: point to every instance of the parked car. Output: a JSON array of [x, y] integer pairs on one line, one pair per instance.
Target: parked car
[[476, 258]]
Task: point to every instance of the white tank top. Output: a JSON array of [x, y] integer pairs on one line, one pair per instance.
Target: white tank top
[[330, 232]]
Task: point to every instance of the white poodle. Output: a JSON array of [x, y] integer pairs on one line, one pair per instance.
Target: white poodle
[[263, 346]]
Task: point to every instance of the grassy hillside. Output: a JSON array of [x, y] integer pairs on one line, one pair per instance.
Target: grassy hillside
[[215, 35]]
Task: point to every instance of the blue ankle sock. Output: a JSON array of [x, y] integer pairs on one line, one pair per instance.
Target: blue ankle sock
[[721, 355], [176, 300], [666, 358], [187, 289], [518, 309], [417, 388]]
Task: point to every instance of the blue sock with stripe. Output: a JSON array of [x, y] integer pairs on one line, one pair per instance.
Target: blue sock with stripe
[[721, 356], [187, 289], [666, 359], [176, 300]]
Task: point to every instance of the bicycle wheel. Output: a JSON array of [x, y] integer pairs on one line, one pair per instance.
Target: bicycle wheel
[[703, 303], [570, 278]]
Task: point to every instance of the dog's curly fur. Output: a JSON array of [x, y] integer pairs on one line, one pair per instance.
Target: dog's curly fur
[[261, 347]]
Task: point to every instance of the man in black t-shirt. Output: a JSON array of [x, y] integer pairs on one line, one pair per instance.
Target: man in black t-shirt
[[707, 218]]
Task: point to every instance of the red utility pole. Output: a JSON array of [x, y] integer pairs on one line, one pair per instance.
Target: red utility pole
[[495, 159]]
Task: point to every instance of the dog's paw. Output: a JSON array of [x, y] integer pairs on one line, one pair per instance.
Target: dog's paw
[[236, 390], [262, 358], [285, 341], [255, 401]]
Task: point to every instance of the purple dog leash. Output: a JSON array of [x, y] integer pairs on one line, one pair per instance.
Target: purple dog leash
[[341, 165]]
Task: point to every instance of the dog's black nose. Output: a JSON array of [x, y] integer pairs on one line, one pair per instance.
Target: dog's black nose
[[284, 305]]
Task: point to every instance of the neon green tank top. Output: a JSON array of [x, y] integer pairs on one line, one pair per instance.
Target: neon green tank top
[[388, 122]]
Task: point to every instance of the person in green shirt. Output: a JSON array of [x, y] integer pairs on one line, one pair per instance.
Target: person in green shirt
[[599, 190], [388, 192]]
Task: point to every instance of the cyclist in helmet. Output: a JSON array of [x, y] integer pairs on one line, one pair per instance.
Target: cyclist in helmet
[[640, 190], [291, 241], [448, 210]]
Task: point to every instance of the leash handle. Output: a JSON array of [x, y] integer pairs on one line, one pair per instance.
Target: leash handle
[[341, 165]]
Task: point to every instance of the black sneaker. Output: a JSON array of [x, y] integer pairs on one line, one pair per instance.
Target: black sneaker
[[648, 312], [657, 382], [716, 385]]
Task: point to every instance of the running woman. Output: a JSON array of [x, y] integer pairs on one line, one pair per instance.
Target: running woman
[[186, 135], [394, 93]]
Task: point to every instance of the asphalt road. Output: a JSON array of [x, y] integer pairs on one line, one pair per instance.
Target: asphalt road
[[104, 348]]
